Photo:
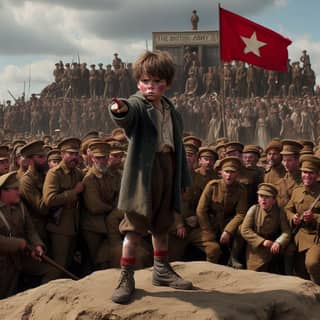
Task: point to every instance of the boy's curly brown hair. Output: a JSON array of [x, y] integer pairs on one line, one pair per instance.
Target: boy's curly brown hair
[[156, 64]]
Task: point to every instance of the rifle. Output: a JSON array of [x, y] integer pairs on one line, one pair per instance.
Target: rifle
[[14, 98], [51, 262], [297, 227]]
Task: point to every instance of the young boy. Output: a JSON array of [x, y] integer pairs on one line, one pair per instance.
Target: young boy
[[155, 172], [265, 229]]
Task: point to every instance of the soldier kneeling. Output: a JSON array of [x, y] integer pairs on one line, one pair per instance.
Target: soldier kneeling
[[16, 231], [265, 229]]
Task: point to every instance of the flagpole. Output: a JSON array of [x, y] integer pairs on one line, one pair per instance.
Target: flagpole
[[222, 111]]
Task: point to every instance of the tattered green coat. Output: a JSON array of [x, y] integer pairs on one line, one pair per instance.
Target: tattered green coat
[[139, 124]]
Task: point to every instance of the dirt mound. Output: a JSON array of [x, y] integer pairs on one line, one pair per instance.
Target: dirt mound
[[220, 293]]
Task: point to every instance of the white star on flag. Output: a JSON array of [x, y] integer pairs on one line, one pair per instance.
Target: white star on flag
[[253, 44]]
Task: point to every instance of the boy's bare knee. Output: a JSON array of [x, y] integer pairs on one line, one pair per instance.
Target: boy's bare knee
[[132, 239]]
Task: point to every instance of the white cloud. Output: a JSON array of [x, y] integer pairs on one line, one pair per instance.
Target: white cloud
[[16, 79], [280, 3]]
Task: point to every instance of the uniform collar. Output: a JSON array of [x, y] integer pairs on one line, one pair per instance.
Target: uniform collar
[[94, 171], [225, 188], [314, 190], [64, 167]]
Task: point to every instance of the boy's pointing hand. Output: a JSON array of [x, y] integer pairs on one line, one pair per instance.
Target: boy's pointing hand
[[118, 106]]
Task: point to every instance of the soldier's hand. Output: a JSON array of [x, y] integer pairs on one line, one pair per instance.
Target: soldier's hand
[[79, 187], [118, 106], [267, 243], [225, 238], [37, 253], [296, 220], [181, 232], [275, 248], [307, 216]]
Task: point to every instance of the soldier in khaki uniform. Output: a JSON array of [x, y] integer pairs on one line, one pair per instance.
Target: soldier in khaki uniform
[[92, 81], [21, 162], [275, 169], [91, 136], [31, 185], [250, 158], [116, 157], [187, 231], [100, 80], [15, 154], [207, 158], [193, 144], [100, 199], [221, 150], [266, 230], [303, 213], [54, 158], [248, 176], [66, 78], [308, 147], [290, 160], [61, 190], [222, 207], [16, 231]]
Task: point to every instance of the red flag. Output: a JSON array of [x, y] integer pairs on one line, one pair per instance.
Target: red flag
[[245, 40]]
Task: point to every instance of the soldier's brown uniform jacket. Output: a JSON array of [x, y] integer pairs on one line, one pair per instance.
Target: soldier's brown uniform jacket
[[20, 173], [286, 185], [190, 198], [31, 185], [301, 200], [200, 178], [250, 178], [59, 194], [226, 205], [15, 225], [274, 174], [100, 198], [260, 225]]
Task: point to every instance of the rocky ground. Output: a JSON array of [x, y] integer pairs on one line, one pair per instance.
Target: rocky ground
[[220, 293]]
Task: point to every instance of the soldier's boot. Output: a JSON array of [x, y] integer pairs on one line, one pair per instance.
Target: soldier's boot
[[235, 254], [164, 275], [288, 265], [124, 291]]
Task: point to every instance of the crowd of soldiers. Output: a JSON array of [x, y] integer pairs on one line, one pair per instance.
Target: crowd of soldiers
[[77, 80], [67, 107], [249, 120], [253, 202], [60, 198], [241, 80]]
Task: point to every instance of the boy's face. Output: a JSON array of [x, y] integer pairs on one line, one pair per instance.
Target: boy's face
[[266, 202], [152, 88]]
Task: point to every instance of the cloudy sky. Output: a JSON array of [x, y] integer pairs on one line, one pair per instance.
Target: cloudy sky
[[36, 34]]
